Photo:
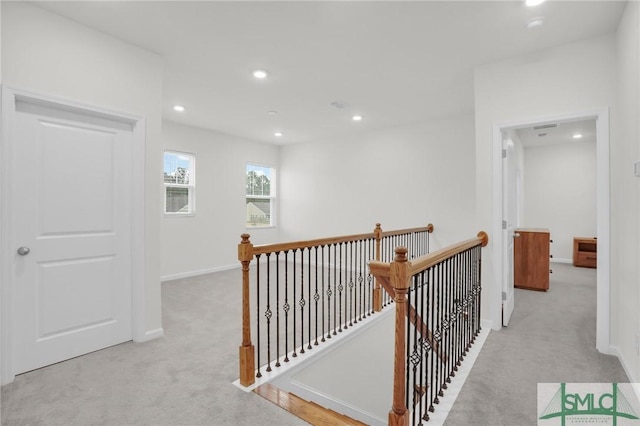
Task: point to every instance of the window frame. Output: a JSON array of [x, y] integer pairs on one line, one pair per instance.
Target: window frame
[[272, 197], [191, 186]]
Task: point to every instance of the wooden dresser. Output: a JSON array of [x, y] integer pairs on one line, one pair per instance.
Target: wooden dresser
[[531, 253], [585, 252]]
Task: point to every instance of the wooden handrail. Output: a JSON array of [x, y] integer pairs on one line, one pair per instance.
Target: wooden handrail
[[273, 248], [382, 269]]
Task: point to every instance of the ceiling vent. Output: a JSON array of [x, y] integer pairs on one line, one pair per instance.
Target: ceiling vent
[[540, 135], [545, 126]]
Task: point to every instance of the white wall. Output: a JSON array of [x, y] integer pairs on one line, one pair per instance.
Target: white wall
[[625, 195], [401, 177], [208, 241], [564, 80], [46, 53], [560, 193]]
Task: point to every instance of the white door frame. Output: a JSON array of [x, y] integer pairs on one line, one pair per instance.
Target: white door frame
[[603, 311], [7, 251]]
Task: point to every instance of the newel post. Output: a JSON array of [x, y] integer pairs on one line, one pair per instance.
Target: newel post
[[377, 288], [247, 350], [400, 280]]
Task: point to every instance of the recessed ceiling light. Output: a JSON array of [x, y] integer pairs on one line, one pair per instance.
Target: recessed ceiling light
[[260, 74], [357, 118], [277, 134], [178, 108], [535, 22], [532, 3], [577, 136], [272, 112]]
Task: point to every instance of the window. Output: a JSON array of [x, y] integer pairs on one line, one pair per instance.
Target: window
[[179, 183], [260, 193]]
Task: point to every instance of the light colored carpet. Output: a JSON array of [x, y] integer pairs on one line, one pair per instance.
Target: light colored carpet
[[185, 377], [551, 338]]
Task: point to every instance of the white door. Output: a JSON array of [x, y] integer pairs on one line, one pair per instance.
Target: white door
[[70, 198], [509, 215]]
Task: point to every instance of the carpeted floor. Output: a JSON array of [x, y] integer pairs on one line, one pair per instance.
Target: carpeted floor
[[185, 377], [551, 338]]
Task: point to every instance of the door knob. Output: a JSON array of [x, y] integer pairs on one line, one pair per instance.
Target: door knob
[[23, 251]]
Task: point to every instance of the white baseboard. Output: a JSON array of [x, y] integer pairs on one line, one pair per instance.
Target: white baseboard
[[558, 260], [189, 274], [615, 350], [150, 335]]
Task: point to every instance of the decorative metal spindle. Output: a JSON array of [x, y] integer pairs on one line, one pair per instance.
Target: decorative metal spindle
[[286, 306], [323, 293], [258, 374], [349, 264], [340, 288], [329, 292], [335, 286], [361, 311], [430, 325], [295, 302], [447, 323], [310, 297], [439, 309], [417, 353], [302, 301], [277, 309], [268, 313], [425, 346], [371, 255]]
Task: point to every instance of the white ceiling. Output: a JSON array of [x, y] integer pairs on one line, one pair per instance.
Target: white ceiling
[[392, 62]]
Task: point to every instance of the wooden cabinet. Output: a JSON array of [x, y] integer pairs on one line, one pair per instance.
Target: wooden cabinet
[[531, 259], [585, 252]]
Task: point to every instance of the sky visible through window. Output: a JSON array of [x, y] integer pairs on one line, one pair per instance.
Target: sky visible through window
[[260, 170], [172, 161]]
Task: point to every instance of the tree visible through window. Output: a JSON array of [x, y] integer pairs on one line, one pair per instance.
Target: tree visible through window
[[260, 196], [179, 183]]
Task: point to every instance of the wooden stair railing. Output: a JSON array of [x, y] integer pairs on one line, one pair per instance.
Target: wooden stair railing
[[323, 283], [444, 287]]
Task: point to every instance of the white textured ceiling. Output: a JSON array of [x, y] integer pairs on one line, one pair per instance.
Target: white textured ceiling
[[392, 62]]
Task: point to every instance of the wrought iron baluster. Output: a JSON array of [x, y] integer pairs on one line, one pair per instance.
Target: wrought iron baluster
[[361, 263], [268, 313], [323, 293], [286, 306], [335, 286], [310, 297], [350, 291], [340, 288], [277, 309], [295, 303], [258, 351], [431, 325], [302, 301]]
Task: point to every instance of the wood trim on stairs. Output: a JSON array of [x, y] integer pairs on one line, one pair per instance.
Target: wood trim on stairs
[[306, 410]]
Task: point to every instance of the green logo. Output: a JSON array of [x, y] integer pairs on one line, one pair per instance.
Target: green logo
[[613, 404]]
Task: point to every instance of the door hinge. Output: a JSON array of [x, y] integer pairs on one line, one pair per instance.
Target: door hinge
[[504, 224], [504, 296], [504, 153]]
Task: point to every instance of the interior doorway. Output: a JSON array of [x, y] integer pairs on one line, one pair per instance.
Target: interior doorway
[[600, 120]]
